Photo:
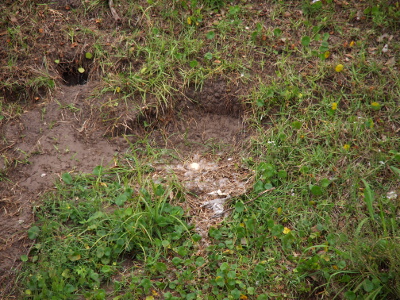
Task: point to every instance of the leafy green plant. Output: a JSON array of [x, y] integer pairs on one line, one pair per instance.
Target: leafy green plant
[[93, 239]]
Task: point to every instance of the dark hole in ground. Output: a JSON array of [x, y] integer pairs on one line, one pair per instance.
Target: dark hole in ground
[[72, 74]]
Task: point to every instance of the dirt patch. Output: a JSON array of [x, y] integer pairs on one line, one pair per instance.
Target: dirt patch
[[206, 120], [54, 137], [65, 133]]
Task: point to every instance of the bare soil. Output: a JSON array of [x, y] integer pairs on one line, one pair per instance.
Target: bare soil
[[63, 133]]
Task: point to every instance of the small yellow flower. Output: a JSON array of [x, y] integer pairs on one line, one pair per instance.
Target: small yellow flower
[[279, 211], [286, 230], [375, 105], [241, 225], [334, 106], [118, 89], [327, 54], [352, 43], [243, 297], [346, 147], [189, 21], [339, 68]]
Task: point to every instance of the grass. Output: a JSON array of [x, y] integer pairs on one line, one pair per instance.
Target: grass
[[325, 137]]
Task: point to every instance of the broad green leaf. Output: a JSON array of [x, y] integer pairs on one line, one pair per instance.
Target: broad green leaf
[[67, 178], [220, 281], [176, 260], [200, 261], [182, 251], [33, 232], [239, 207], [210, 35], [121, 199], [196, 237], [251, 290], [282, 174], [277, 230], [324, 46], [236, 293], [350, 295], [24, 258], [224, 266], [296, 124], [146, 284], [74, 256], [193, 63], [208, 56], [231, 275], [325, 37], [69, 288], [368, 285], [268, 186], [305, 41], [100, 252], [325, 182], [260, 268], [258, 186], [161, 267], [260, 102], [277, 32], [316, 190]]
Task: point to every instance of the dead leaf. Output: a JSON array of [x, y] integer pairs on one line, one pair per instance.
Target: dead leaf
[[391, 62], [382, 37], [385, 48]]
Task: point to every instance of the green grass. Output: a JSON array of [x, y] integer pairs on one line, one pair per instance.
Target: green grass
[[327, 141]]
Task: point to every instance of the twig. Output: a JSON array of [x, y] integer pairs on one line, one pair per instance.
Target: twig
[[113, 11], [232, 208], [7, 147]]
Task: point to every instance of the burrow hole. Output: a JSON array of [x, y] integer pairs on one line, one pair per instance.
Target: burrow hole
[[74, 73]]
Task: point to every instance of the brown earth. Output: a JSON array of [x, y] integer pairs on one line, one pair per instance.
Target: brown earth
[[63, 134]]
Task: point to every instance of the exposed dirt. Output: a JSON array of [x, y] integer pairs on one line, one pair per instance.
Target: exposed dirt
[[46, 141], [63, 134]]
